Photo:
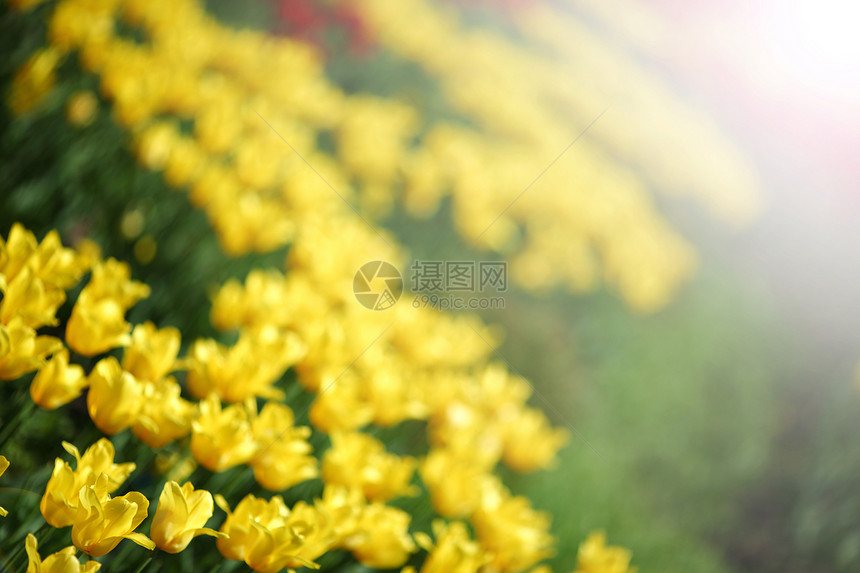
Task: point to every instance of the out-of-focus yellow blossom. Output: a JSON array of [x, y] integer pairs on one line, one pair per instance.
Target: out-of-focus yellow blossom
[[469, 430], [101, 522], [514, 533], [269, 537], [164, 415], [60, 500], [49, 261], [341, 406], [285, 457], [81, 108], [34, 80], [98, 321], [530, 443], [596, 557], [57, 382], [381, 539], [4, 465], [152, 352], [63, 561], [457, 482], [181, 516], [223, 438], [357, 460], [453, 552], [261, 300], [115, 399], [22, 350], [343, 507], [28, 297], [247, 369]]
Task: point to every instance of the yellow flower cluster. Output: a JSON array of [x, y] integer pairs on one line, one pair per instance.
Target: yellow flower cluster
[[268, 536], [530, 99], [33, 279], [591, 221], [81, 498], [476, 412], [365, 367]]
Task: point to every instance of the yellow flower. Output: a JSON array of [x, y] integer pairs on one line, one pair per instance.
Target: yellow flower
[[269, 537], [164, 415], [530, 443], [381, 539], [98, 321], [57, 383], [341, 406], [34, 80], [596, 557], [457, 483], [96, 326], [516, 534], [246, 369], [152, 352], [60, 500], [4, 465], [28, 297], [222, 438], [55, 265], [115, 399], [181, 515], [359, 460], [453, 552], [63, 561], [285, 457], [21, 350], [101, 522]]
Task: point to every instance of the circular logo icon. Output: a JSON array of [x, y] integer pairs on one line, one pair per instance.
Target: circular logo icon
[[377, 285]]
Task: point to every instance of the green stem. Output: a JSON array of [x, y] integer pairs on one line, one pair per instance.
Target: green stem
[[143, 565], [10, 429]]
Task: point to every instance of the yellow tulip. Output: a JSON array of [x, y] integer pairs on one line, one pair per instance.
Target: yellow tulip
[[358, 460], [22, 350], [57, 383], [453, 552], [63, 561], [30, 298], [381, 539], [285, 457], [516, 534], [98, 321], [115, 397], [181, 515], [4, 464], [101, 522], [247, 369], [96, 326], [268, 536], [530, 443], [59, 503], [164, 416], [152, 352], [222, 438], [596, 557], [34, 80]]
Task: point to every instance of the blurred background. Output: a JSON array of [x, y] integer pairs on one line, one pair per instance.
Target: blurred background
[[709, 357]]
